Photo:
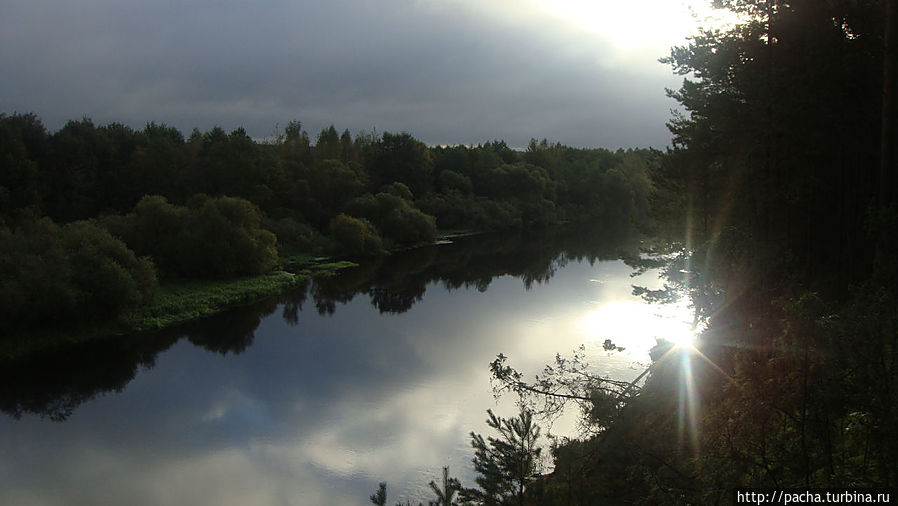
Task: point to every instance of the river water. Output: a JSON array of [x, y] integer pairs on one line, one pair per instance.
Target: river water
[[378, 374]]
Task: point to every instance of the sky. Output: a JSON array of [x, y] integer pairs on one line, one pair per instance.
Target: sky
[[580, 72]]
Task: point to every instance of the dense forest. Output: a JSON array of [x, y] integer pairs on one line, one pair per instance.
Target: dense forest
[[93, 218]]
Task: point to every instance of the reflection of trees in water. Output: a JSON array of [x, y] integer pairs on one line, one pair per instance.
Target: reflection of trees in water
[[53, 385], [293, 302], [232, 331], [395, 283]]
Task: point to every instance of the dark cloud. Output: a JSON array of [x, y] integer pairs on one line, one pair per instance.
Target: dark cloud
[[446, 72]]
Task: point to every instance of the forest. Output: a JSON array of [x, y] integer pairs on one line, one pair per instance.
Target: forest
[[775, 212], [94, 219]]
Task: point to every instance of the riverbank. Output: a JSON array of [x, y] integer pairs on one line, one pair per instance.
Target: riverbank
[[175, 303]]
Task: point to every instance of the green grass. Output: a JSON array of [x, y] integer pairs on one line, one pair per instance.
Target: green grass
[[297, 259], [182, 301]]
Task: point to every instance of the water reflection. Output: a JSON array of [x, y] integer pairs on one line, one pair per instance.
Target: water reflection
[[381, 378]]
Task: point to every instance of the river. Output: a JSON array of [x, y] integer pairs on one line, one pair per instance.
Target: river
[[377, 374]]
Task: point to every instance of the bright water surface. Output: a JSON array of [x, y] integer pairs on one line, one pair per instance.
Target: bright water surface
[[376, 375]]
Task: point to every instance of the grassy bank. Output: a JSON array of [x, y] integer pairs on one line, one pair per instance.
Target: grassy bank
[[184, 300], [181, 301], [175, 303]]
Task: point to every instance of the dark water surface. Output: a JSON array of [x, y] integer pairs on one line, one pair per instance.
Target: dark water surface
[[378, 374]]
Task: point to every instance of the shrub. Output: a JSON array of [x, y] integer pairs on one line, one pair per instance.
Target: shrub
[[210, 238], [294, 236], [155, 229], [398, 189], [451, 210], [71, 274], [225, 238], [354, 236], [397, 219], [407, 225], [449, 180]]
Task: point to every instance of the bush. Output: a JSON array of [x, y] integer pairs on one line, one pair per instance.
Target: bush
[[493, 215], [449, 181], [398, 220], [451, 210], [354, 236], [155, 229], [398, 189], [407, 225], [224, 238], [294, 236], [210, 238]]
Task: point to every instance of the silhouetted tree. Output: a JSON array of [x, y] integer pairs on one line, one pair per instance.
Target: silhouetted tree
[[446, 494], [506, 465]]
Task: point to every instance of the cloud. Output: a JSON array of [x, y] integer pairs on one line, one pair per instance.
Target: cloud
[[447, 72]]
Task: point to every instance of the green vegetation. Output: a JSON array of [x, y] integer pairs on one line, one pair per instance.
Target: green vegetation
[[355, 236], [181, 301], [210, 238], [174, 302], [68, 275], [398, 184], [220, 206]]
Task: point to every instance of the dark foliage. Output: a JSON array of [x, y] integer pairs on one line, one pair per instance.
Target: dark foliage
[[73, 274], [210, 238]]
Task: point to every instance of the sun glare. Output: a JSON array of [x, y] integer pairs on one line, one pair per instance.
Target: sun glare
[[639, 326], [655, 25]]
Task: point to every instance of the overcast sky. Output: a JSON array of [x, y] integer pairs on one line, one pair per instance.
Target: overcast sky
[[583, 73]]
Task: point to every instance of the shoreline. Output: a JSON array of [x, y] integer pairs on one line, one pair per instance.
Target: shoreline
[[181, 301], [175, 303]]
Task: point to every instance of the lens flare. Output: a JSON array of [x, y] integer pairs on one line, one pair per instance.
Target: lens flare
[[638, 326]]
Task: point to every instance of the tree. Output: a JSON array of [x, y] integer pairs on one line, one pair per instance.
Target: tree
[[155, 229], [569, 380], [395, 217], [71, 274], [210, 238], [380, 497], [356, 237], [334, 184], [446, 494], [776, 170], [225, 238], [328, 146], [400, 158], [781, 136], [23, 142]]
